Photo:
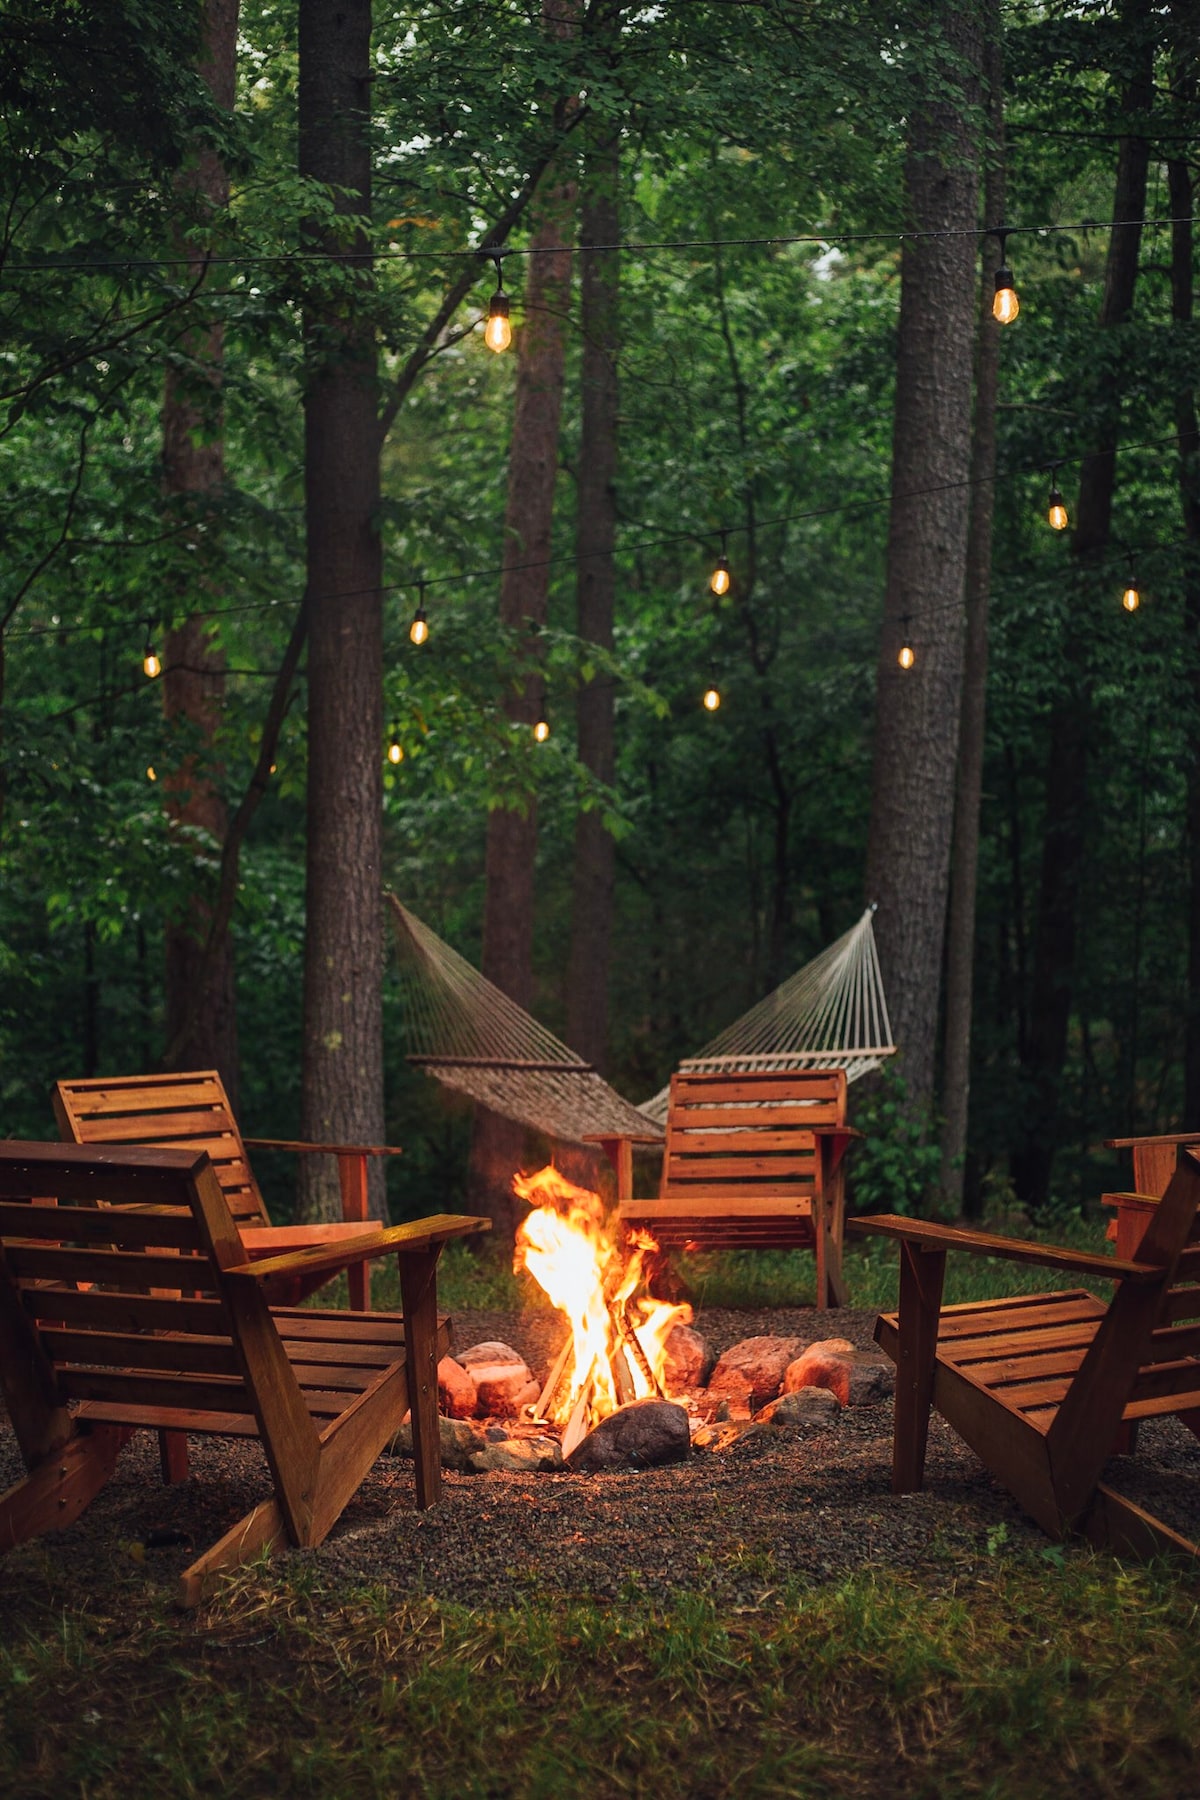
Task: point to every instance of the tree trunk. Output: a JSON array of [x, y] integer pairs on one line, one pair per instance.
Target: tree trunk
[[595, 852], [342, 1076], [964, 858], [201, 1021], [497, 1145], [1066, 763], [917, 711]]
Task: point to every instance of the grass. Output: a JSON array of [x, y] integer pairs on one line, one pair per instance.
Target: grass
[[1036, 1676]]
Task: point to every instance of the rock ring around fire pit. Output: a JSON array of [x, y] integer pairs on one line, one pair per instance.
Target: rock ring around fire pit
[[760, 1389]]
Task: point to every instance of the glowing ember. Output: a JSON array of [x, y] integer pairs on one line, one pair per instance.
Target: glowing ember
[[617, 1348]]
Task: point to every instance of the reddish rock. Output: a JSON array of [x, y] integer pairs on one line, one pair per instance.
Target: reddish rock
[[638, 1436], [857, 1377], [752, 1371], [688, 1360], [458, 1396], [502, 1379]]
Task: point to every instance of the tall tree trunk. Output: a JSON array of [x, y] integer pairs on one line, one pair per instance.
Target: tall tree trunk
[[201, 1021], [964, 857], [917, 711], [595, 852], [342, 1076], [1066, 763], [497, 1144]]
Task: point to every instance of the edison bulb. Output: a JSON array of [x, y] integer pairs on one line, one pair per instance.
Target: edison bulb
[[150, 773], [497, 333], [712, 698], [1058, 512], [151, 664], [1005, 305], [1131, 599], [720, 578], [418, 631], [395, 752], [541, 731], [907, 656]]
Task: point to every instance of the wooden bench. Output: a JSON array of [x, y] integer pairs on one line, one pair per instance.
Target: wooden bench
[[191, 1111], [127, 1302], [754, 1161], [1042, 1385]]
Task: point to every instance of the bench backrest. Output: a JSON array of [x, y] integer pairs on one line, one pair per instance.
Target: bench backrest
[[115, 1292], [173, 1112], [748, 1136]]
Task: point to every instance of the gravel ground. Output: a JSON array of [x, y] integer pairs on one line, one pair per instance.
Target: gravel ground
[[735, 1525]]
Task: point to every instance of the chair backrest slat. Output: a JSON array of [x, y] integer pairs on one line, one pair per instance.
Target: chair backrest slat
[[748, 1134]]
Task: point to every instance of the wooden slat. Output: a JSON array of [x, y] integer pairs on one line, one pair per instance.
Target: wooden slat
[[773, 1171], [101, 1311], [727, 1142], [197, 1122], [1170, 1343], [1161, 1405], [160, 1229], [748, 1118], [207, 1393], [1180, 1303], [141, 1093], [1024, 1312], [302, 1326], [720, 1203], [168, 1418], [1000, 1372], [963, 1350], [116, 1267], [1166, 1378], [187, 1354], [328, 1353], [794, 1088], [134, 1175]]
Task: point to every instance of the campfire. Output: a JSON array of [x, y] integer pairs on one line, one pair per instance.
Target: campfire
[[616, 1350]]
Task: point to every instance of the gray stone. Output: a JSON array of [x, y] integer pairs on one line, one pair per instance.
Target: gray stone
[[503, 1380], [459, 1441], [809, 1409], [688, 1360], [753, 1370], [522, 1456], [638, 1436]]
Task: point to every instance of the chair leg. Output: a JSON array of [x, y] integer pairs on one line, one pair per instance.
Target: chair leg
[[173, 1456], [53, 1495], [262, 1529], [921, 1276], [418, 1296]]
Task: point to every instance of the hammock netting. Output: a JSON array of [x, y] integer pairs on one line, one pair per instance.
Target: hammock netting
[[469, 1034], [832, 1014]]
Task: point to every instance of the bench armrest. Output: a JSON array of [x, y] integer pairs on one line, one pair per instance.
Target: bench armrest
[[421, 1234], [925, 1234], [307, 1149]]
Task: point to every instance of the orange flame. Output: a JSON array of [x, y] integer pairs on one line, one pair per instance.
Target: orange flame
[[618, 1340]]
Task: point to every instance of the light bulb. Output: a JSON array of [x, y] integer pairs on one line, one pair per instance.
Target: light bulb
[[418, 631], [1057, 514], [1131, 599], [907, 656], [497, 333], [395, 751], [720, 578], [150, 774], [1005, 305], [712, 697], [541, 731], [150, 662]]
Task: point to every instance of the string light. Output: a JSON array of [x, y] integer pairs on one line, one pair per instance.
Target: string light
[[720, 578], [907, 655], [497, 333], [151, 666], [395, 750], [150, 774], [712, 695], [1131, 599], [541, 730], [418, 631], [1005, 305], [1057, 513]]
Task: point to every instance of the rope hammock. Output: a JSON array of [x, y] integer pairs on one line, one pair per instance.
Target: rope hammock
[[831, 1014], [473, 1038]]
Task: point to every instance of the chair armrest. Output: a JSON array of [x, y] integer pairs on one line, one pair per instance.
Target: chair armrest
[[1171, 1137], [1132, 1202], [422, 1234], [845, 1131], [306, 1149], [925, 1234]]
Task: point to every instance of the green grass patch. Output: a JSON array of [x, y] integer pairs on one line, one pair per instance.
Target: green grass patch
[[1038, 1677]]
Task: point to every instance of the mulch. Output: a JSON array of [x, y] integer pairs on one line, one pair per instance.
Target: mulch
[[738, 1525]]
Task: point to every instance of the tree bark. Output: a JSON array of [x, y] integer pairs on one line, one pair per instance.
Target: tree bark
[[1066, 763], [497, 1145], [201, 1006], [964, 857], [595, 852], [917, 711], [342, 1074]]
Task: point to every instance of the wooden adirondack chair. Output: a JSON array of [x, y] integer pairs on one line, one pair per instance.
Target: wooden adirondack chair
[[127, 1301], [192, 1111], [754, 1161], [1041, 1385], [1154, 1160]]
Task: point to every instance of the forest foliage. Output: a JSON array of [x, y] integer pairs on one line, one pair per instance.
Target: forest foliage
[[762, 158]]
